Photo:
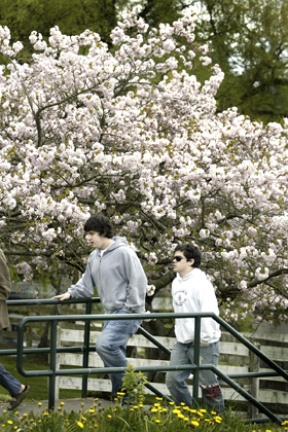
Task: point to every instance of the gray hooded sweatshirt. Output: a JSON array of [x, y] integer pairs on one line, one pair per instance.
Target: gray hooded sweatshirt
[[118, 277]]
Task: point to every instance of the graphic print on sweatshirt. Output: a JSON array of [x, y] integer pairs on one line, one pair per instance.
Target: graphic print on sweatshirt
[[180, 297]]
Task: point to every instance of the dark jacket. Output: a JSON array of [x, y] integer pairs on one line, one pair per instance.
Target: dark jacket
[[5, 287]]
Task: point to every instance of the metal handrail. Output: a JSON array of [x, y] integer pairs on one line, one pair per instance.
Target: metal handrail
[[85, 349]]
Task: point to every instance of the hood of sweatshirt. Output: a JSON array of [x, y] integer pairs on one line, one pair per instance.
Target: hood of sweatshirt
[[196, 273], [117, 242]]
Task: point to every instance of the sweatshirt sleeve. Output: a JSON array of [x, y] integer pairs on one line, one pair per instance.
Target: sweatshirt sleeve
[[137, 284], [85, 286], [208, 303]]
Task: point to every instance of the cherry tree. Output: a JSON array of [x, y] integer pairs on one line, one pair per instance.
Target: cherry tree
[[130, 132]]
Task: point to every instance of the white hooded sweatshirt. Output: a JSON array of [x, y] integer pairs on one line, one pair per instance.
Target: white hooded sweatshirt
[[195, 293]]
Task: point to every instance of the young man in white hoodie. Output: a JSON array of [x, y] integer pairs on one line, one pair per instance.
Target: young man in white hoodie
[[193, 292], [114, 269]]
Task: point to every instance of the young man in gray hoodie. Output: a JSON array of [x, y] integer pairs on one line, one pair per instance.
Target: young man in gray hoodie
[[114, 269]]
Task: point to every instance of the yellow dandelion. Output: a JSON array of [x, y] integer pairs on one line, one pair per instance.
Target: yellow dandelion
[[59, 408], [121, 394], [40, 404], [109, 416], [219, 419], [4, 411], [181, 416], [171, 403], [203, 410], [156, 405], [182, 404], [10, 422], [80, 425], [157, 421], [195, 423], [159, 398], [91, 411], [83, 418], [154, 410], [62, 403], [46, 413]]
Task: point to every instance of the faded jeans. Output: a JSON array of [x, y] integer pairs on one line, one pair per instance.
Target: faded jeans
[[176, 380], [9, 382], [111, 347]]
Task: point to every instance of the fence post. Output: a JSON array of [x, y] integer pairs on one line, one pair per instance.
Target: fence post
[[254, 366]]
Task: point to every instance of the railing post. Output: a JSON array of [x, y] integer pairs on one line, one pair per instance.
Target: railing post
[[86, 349], [52, 376], [196, 357]]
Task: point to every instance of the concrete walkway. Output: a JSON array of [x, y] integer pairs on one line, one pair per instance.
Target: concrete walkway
[[67, 405]]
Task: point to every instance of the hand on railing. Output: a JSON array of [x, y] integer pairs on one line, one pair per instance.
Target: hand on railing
[[61, 297]]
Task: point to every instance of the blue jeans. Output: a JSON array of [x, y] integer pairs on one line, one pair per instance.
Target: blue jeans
[[183, 354], [111, 347], [9, 382]]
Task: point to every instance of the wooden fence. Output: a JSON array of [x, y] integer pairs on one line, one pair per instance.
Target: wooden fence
[[235, 358]]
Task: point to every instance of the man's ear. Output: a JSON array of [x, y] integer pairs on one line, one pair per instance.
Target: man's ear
[[192, 262]]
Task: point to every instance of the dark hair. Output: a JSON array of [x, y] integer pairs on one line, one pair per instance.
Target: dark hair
[[190, 252], [99, 224]]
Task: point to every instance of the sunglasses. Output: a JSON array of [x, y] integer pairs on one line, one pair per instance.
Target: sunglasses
[[177, 258]]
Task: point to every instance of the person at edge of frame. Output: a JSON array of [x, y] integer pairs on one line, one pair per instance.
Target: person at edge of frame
[[17, 390], [193, 292], [114, 269]]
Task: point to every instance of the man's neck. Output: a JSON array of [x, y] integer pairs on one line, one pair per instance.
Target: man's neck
[[106, 243], [185, 272]]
